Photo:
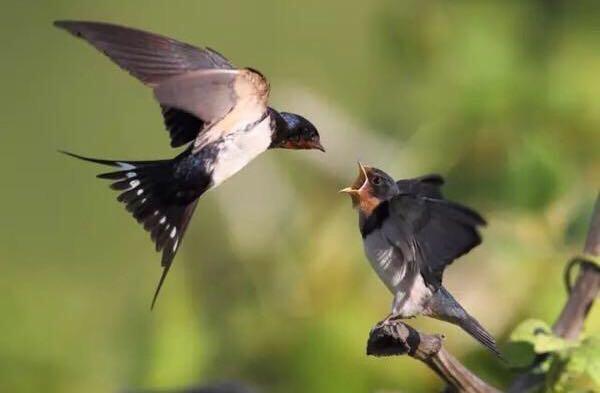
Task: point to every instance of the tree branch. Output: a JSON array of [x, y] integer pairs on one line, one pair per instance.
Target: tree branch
[[592, 243], [579, 303], [585, 290], [398, 338]]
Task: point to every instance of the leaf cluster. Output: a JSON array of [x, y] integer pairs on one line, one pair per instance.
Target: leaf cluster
[[568, 366]]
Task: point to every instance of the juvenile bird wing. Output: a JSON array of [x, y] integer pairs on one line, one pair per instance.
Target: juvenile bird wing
[[432, 231], [152, 58], [425, 186]]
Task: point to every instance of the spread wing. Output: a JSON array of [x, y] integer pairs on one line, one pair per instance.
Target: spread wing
[[433, 232], [182, 126], [217, 95], [152, 59], [427, 186]]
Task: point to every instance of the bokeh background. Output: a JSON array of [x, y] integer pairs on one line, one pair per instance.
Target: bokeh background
[[271, 286]]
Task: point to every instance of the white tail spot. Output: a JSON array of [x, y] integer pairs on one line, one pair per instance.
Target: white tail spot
[[156, 212], [175, 244], [131, 174], [162, 220], [173, 232], [134, 183], [125, 166], [140, 191], [144, 200]]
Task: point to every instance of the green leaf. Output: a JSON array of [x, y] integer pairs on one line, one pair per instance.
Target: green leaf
[[578, 370], [540, 336], [519, 354], [586, 358]]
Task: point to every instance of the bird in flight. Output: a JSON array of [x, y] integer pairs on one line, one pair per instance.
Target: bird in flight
[[221, 112], [410, 234]]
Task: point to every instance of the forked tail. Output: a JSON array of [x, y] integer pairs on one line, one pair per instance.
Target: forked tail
[[156, 199]]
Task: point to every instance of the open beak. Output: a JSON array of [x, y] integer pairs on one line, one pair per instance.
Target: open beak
[[356, 187]]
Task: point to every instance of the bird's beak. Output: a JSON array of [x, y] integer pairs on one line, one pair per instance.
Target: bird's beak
[[317, 145], [348, 190], [359, 184]]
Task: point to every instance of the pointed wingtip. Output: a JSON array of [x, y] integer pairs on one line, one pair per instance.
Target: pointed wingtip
[[63, 24], [71, 26]]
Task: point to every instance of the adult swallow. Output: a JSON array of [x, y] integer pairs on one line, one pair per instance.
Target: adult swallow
[[219, 111], [410, 234]]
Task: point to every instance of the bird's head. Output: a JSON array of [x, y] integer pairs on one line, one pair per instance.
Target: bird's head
[[296, 132], [371, 187]]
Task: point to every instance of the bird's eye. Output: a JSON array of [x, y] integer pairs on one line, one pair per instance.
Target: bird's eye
[[376, 180]]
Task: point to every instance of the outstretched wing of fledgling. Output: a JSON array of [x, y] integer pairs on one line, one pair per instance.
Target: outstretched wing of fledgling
[[432, 232], [423, 186]]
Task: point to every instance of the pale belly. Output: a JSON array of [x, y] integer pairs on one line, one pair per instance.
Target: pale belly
[[238, 149], [409, 289], [384, 261]]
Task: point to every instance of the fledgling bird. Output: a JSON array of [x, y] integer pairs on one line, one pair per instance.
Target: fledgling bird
[[410, 234], [220, 111]]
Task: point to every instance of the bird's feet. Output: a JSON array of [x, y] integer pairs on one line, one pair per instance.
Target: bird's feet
[[390, 319]]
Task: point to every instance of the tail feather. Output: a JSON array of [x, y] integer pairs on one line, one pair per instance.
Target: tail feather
[[474, 328], [124, 165], [168, 256], [151, 195], [159, 285], [443, 306]]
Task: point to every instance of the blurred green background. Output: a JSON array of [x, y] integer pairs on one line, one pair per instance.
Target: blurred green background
[[271, 286]]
